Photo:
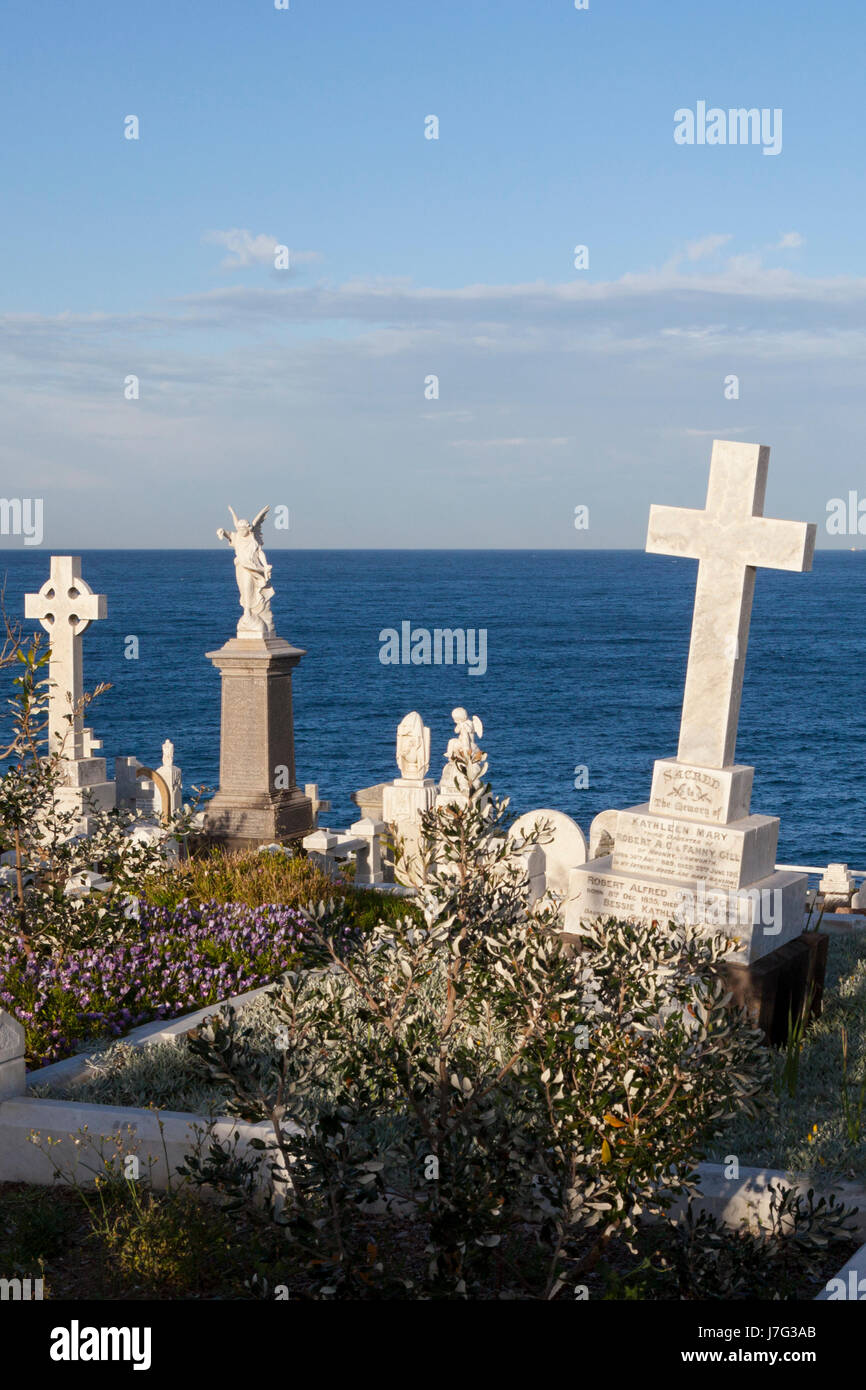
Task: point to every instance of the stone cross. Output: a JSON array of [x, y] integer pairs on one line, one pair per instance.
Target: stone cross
[[730, 538], [65, 606]]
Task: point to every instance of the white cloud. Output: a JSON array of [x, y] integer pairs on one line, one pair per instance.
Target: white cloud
[[789, 242], [248, 250], [518, 443], [723, 432], [698, 250]]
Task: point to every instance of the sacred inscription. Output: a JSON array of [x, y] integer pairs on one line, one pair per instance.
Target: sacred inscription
[[690, 791], [701, 793]]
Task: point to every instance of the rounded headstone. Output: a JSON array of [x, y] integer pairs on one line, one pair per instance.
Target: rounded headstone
[[562, 853]]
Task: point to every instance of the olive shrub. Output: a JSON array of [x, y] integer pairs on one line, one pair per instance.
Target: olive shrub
[[510, 1099]]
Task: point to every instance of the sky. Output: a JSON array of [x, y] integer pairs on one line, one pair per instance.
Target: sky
[[599, 385]]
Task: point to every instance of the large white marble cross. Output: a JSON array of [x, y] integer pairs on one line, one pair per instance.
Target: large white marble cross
[[729, 538], [65, 606]]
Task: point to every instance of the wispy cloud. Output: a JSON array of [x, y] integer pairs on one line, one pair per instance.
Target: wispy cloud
[[723, 432], [517, 443], [745, 306], [246, 250], [699, 250]]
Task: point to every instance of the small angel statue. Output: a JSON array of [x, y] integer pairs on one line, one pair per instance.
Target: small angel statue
[[465, 730], [253, 574]]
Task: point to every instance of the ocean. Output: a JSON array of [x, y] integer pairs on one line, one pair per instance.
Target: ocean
[[585, 663]]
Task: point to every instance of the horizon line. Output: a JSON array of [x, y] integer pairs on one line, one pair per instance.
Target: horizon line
[[378, 549]]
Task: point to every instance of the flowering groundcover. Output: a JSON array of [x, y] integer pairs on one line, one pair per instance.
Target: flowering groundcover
[[178, 960]]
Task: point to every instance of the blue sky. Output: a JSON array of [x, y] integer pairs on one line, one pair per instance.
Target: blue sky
[[413, 257]]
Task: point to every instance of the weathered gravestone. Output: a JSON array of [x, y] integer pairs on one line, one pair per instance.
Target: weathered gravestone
[[550, 860], [694, 852], [13, 1080]]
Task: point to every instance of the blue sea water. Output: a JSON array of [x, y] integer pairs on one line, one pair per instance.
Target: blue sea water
[[586, 663]]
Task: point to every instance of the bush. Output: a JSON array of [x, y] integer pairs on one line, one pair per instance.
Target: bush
[[524, 1103], [43, 836]]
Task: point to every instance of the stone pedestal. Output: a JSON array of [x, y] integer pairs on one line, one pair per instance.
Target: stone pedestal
[[404, 801], [85, 788], [837, 888], [258, 801], [710, 863]]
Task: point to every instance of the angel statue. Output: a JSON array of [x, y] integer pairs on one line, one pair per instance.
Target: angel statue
[[465, 730], [253, 574]]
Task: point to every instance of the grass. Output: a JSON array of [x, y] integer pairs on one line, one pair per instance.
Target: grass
[[124, 1242], [129, 1244], [808, 1131], [261, 879], [163, 1076]]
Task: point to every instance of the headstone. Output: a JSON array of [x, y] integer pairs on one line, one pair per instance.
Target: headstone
[[409, 796], [413, 747], [65, 607], [562, 847], [836, 887], [601, 834], [133, 792], [258, 800], [694, 851], [13, 1076], [369, 800], [172, 777], [311, 789]]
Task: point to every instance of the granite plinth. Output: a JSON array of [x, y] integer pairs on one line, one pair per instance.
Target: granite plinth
[[781, 985], [258, 800]]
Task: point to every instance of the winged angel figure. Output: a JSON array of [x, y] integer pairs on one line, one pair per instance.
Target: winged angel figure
[[253, 574], [466, 727]]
